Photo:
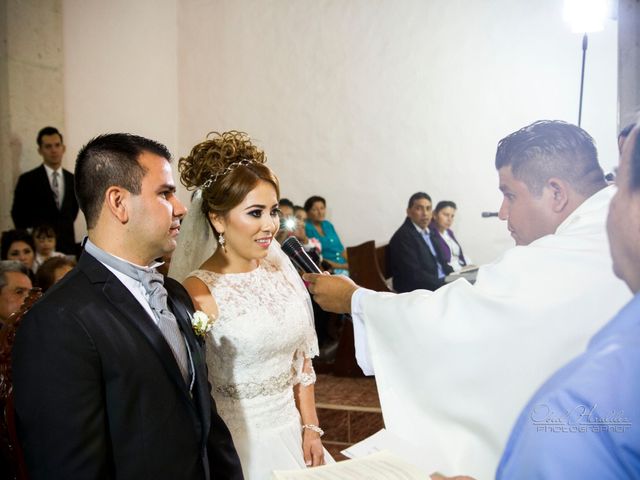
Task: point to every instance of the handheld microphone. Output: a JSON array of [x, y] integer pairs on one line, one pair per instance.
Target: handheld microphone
[[489, 214], [292, 247]]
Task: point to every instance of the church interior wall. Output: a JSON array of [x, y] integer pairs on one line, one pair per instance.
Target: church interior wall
[[361, 102], [31, 86], [367, 102]]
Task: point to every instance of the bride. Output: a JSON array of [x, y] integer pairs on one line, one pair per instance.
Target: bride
[[260, 347]]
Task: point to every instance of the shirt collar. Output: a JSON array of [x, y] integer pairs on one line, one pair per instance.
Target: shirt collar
[[420, 230], [153, 265], [50, 170]]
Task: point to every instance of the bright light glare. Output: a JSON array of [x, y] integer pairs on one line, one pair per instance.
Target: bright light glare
[[290, 224], [586, 16]]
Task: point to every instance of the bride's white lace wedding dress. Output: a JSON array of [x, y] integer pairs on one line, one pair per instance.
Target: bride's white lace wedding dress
[[255, 352]]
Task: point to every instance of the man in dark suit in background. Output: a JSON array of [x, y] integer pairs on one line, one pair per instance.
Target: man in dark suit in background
[[109, 378], [414, 257], [44, 195]]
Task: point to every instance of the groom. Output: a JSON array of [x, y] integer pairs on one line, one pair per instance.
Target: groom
[[109, 378]]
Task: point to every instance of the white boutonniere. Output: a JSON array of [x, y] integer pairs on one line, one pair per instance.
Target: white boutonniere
[[202, 323]]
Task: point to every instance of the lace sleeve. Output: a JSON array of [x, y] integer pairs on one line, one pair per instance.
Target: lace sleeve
[[299, 375]]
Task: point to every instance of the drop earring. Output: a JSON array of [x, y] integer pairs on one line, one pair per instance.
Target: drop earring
[[221, 241]]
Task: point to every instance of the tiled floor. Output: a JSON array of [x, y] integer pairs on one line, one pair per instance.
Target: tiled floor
[[348, 410]]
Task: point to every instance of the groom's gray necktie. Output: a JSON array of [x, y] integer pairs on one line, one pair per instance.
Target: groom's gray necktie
[[153, 284]]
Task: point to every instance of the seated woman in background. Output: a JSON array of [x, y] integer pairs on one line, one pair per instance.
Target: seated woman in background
[[309, 243], [18, 245], [333, 252], [441, 228], [53, 270], [44, 238]]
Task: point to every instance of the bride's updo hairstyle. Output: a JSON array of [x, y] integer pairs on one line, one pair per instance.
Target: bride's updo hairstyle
[[226, 167]]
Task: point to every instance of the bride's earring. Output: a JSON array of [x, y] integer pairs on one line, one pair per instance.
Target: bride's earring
[[221, 241]]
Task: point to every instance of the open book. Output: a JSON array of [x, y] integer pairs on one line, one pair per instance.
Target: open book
[[377, 466], [470, 272]]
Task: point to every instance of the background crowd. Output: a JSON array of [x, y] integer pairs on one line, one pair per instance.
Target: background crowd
[[261, 337], [45, 208]]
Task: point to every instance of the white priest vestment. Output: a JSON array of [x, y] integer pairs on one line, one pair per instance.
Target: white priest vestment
[[456, 366]]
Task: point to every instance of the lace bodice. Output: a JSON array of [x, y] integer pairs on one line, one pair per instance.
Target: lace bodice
[[263, 332]]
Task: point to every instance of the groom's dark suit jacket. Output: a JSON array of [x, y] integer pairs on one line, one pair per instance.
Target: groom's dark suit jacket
[[98, 393], [412, 264]]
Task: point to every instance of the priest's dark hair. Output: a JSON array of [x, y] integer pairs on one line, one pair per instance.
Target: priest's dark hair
[[418, 196], [111, 160], [552, 148]]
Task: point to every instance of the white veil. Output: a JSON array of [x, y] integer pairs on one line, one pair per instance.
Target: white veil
[[196, 242]]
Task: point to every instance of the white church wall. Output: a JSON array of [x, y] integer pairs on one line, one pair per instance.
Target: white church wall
[[120, 71], [367, 102], [363, 102]]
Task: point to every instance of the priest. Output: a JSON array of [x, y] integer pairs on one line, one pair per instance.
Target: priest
[[454, 367]]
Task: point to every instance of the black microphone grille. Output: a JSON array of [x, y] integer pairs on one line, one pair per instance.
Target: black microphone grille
[[294, 250], [291, 245]]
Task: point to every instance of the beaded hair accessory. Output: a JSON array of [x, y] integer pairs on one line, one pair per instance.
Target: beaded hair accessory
[[211, 180]]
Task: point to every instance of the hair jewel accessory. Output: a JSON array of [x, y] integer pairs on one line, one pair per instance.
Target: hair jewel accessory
[[230, 167]]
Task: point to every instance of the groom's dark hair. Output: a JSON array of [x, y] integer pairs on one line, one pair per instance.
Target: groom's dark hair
[[111, 160]]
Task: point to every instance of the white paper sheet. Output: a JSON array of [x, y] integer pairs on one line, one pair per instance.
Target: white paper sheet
[[378, 466], [384, 440]]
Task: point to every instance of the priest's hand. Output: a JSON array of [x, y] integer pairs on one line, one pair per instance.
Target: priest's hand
[[332, 292]]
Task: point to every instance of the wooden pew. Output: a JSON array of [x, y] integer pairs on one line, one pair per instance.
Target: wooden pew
[[364, 266]]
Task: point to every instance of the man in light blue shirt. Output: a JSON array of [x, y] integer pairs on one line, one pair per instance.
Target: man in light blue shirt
[[585, 420]]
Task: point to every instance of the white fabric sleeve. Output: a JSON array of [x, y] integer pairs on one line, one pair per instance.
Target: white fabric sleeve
[[360, 332]]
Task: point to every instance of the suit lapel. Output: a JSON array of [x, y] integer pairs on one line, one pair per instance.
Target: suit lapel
[[135, 315], [420, 242], [201, 387]]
